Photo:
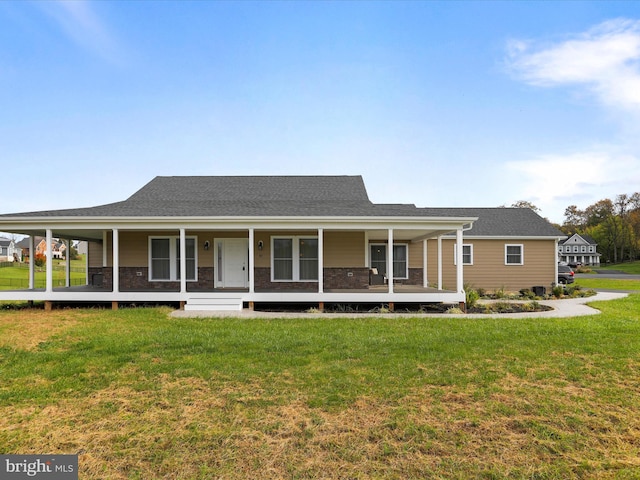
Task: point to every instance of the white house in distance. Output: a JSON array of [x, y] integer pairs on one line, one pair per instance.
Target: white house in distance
[[9, 252], [579, 248]]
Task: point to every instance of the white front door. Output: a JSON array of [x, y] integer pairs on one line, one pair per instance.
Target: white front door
[[232, 263]]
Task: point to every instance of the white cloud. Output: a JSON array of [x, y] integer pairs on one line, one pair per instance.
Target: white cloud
[[605, 59], [553, 182], [82, 24]]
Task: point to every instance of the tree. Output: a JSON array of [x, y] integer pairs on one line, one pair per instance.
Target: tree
[[574, 220], [523, 204]]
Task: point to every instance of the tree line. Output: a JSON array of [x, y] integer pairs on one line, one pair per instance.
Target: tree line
[[613, 224]]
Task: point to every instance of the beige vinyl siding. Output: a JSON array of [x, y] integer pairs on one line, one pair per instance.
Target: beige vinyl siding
[[94, 252], [415, 254], [489, 270], [344, 249]]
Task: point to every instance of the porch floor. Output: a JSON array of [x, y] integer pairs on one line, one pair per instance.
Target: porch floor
[[377, 289]]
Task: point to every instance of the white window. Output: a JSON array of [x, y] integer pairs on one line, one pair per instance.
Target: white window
[[164, 258], [514, 254], [583, 249], [591, 249], [467, 254], [294, 259], [378, 259], [575, 248]]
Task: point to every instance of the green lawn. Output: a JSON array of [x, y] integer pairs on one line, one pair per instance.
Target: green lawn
[[629, 267], [141, 395], [608, 283], [16, 277]]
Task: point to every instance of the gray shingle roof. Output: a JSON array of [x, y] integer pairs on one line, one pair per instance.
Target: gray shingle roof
[[291, 196], [506, 222]]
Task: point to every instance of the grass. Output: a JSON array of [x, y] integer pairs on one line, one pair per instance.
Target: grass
[[628, 267], [608, 283], [139, 394], [17, 276]]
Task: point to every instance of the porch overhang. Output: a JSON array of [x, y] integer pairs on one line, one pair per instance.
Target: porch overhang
[[86, 228]]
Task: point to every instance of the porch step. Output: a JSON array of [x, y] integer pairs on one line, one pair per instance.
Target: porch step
[[214, 303]]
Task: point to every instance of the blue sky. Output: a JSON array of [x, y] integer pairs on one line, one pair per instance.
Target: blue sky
[[434, 103]]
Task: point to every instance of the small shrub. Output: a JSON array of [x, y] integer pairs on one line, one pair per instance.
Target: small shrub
[[526, 293], [501, 307], [500, 292], [558, 291], [472, 297], [481, 292], [530, 306], [39, 260]]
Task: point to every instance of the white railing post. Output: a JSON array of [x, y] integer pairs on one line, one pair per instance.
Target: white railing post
[[49, 262], [116, 261], [390, 261]]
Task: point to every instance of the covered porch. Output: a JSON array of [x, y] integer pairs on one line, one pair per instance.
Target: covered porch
[[341, 263]]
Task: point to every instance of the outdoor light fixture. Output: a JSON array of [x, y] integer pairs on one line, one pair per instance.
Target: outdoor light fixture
[[206, 245], [260, 245]]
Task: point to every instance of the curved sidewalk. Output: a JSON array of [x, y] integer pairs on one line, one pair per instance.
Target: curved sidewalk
[[570, 307]]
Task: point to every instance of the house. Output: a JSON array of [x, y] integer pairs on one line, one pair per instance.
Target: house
[[57, 248], [231, 242], [9, 251], [579, 249], [23, 245]]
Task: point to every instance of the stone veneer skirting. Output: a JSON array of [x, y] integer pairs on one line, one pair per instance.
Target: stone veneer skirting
[[137, 279]]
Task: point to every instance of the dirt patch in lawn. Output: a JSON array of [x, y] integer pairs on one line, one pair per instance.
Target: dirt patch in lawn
[[27, 329]]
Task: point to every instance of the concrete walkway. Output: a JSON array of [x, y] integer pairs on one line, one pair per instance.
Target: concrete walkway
[[571, 307]]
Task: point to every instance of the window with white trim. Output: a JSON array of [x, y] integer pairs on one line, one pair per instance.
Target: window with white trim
[[164, 258], [378, 259], [513, 254], [294, 259], [467, 254]]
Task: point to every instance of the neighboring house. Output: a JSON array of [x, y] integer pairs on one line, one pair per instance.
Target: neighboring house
[[579, 249], [229, 242], [24, 247], [9, 251], [57, 248]]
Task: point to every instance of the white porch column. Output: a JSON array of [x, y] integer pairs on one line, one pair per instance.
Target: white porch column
[[252, 274], [183, 261], [67, 244], [32, 263], [425, 280], [440, 262], [390, 261], [86, 265], [320, 260], [49, 263], [459, 266], [116, 261]]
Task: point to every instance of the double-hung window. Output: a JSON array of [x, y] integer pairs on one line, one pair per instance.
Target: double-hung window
[[378, 259], [164, 258], [514, 254], [294, 259], [467, 254]]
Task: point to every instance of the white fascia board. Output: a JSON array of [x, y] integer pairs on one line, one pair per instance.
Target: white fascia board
[[158, 223]]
